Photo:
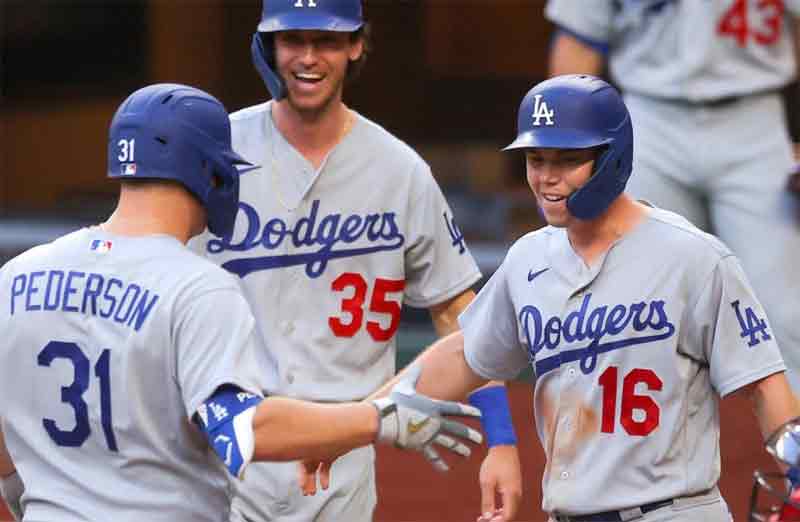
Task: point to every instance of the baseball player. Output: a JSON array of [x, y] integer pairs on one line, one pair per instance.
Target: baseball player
[[701, 80], [633, 321], [344, 224], [128, 379]]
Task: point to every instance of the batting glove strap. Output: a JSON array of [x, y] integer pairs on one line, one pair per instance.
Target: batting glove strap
[[388, 421], [12, 488]]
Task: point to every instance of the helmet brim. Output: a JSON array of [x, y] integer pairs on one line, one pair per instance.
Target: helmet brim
[[557, 139], [308, 22]]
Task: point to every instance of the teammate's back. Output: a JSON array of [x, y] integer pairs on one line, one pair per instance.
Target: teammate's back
[[108, 338]]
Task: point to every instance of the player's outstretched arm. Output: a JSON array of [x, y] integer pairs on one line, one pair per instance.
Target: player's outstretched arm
[[11, 487], [6, 465], [287, 429], [773, 402], [445, 373], [242, 427], [500, 471]]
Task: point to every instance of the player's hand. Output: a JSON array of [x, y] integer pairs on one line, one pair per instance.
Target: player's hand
[[309, 470], [500, 476], [411, 420]]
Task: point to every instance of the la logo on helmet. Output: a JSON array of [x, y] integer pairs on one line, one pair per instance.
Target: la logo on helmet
[[311, 3], [540, 110]]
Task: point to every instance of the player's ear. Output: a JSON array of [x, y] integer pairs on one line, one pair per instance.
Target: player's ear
[[356, 49]]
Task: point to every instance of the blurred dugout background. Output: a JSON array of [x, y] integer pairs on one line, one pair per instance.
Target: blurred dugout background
[[445, 75]]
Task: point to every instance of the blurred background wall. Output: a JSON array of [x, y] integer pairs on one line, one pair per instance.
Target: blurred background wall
[[445, 76]]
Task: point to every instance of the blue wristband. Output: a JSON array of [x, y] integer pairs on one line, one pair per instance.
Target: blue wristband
[[495, 415]]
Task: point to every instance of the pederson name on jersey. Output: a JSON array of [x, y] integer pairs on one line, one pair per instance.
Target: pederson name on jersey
[[88, 293]]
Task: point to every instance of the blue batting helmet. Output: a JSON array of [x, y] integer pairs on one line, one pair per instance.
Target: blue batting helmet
[[288, 15], [580, 112], [179, 133]]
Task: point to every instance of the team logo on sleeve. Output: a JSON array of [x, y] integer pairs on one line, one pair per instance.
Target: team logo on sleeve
[[317, 239], [591, 331], [752, 325], [455, 233], [540, 110]]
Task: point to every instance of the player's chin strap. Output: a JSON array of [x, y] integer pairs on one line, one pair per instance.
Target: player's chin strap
[[12, 488], [227, 420]]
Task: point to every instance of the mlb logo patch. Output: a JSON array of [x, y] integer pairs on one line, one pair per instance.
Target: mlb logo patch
[[101, 246], [129, 169]]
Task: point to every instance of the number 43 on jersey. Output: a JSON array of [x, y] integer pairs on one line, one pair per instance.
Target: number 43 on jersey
[[762, 26]]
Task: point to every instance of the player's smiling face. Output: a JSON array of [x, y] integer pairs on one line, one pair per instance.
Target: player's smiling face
[[313, 64], [553, 175]]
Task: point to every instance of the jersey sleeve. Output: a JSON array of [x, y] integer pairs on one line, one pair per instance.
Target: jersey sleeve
[[728, 324], [592, 26], [439, 265], [491, 342], [215, 341]]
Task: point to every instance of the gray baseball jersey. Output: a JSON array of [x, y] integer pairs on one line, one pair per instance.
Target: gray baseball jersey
[[109, 346], [326, 258], [629, 356], [712, 163], [688, 49]]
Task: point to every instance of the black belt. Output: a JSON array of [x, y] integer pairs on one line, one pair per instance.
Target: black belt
[[623, 515], [717, 103]]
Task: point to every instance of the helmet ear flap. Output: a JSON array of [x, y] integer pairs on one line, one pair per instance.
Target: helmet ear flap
[[263, 54]]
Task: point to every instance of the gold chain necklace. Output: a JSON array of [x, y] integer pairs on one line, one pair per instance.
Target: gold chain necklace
[[348, 123]]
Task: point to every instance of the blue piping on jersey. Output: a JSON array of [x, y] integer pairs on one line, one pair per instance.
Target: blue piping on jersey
[[600, 47]]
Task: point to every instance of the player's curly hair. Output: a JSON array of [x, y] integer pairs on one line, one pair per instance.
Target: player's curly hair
[[355, 67]]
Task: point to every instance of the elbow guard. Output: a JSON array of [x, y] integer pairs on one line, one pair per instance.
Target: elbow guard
[[11, 488], [227, 420]]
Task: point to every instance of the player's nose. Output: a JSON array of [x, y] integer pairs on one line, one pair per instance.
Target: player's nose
[[308, 54], [546, 173]]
